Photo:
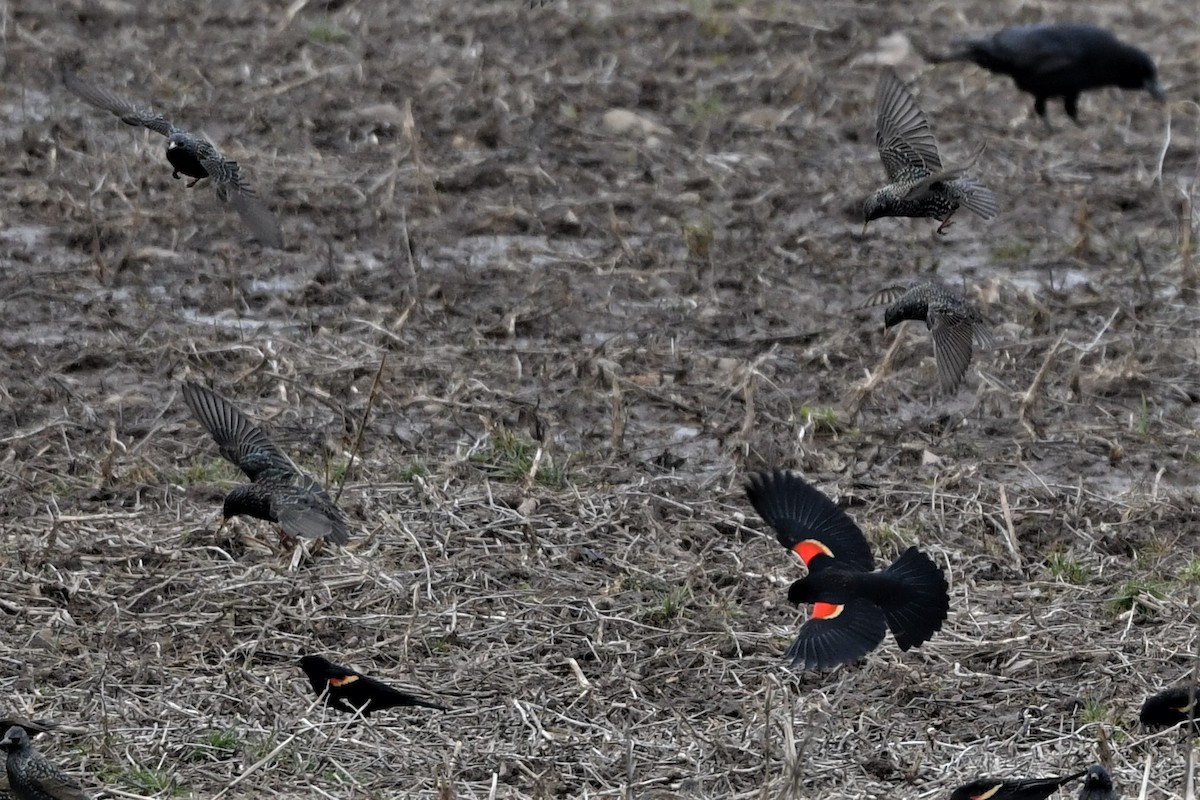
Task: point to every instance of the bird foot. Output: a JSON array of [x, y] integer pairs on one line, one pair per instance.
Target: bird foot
[[946, 223]]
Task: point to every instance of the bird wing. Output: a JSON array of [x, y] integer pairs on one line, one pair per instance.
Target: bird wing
[[902, 131], [807, 522], [885, 296], [1035, 49], [109, 101], [239, 440], [59, 785], [952, 336], [233, 189], [837, 634], [307, 511]]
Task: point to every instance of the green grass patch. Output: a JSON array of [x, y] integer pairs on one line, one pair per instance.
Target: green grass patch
[[511, 457], [671, 604], [326, 34], [1130, 592], [1065, 567]]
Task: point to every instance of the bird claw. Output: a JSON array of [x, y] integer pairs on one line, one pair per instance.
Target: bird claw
[[946, 223]]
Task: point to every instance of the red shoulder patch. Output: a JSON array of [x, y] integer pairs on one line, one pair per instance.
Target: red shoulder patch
[[343, 681], [810, 549], [826, 610]]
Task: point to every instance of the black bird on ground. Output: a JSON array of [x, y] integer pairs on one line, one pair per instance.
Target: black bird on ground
[[31, 777], [1171, 707], [1060, 60], [279, 491], [998, 789], [1097, 785], [188, 154], [955, 323], [918, 184], [349, 691], [852, 606]]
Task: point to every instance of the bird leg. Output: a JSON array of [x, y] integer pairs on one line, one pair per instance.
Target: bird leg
[[194, 182], [946, 223]]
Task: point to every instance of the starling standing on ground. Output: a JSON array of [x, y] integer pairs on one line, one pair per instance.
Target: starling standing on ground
[[918, 184], [1098, 785], [31, 777], [852, 606], [1060, 61], [955, 323], [350, 691], [279, 491], [1171, 707], [997, 789], [189, 154]]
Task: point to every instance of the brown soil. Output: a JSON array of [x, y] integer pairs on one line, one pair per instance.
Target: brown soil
[[591, 336]]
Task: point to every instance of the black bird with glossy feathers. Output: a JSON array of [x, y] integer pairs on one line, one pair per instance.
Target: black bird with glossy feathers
[[278, 491], [955, 323], [1027, 789], [1171, 707], [1097, 785], [350, 691], [918, 184], [1061, 60], [188, 154], [853, 606], [31, 777]]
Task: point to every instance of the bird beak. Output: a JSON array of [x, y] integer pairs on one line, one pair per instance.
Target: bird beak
[[171, 145], [1155, 90], [865, 224], [221, 527]]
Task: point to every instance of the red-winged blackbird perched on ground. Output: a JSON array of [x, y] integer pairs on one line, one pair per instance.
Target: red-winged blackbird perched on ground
[[918, 184], [1097, 785], [852, 606], [349, 691], [279, 491], [1171, 707], [956, 325], [189, 154], [1060, 61], [31, 777], [997, 789]]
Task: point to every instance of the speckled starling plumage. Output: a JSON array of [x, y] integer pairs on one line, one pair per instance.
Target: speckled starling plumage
[[349, 691], [188, 154], [853, 605], [918, 184], [1098, 785], [31, 777], [1171, 707], [1061, 60], [955, 323], [278, 491], [998, 789]]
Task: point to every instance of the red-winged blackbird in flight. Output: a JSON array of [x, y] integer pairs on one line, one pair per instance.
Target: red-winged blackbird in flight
[[349, 691], [997, 789], [1171, 707], [31, 777], [1060, 60], [956, 324], [852, 606], [279, 491], [187, 153], [918, 185]]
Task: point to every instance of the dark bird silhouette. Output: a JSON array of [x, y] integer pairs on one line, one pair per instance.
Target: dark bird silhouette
[[852, 606], [918, 185], [956, 325], [997, 789], [1097, 785], [350, 691], [33, 727], [278, 491], [31, 777], [188, 154], [1171, 707], [1060, 60]]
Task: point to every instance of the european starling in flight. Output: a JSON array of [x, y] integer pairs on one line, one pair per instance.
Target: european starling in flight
[[279, 491], [1097, 785], [997, 789], [188, 154], [1171, 707], [349, 691], [31, 777], [956, 325], [1060, 61], [918, 184], [852, 606]]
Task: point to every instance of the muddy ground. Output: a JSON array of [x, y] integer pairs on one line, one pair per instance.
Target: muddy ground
[[589, 334]]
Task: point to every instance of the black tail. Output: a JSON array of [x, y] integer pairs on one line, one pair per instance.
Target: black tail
[[916, 615]]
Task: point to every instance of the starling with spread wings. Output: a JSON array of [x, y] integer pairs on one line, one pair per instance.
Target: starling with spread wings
[[188, 155], [278, 491], [918, 185], [853, 605]]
